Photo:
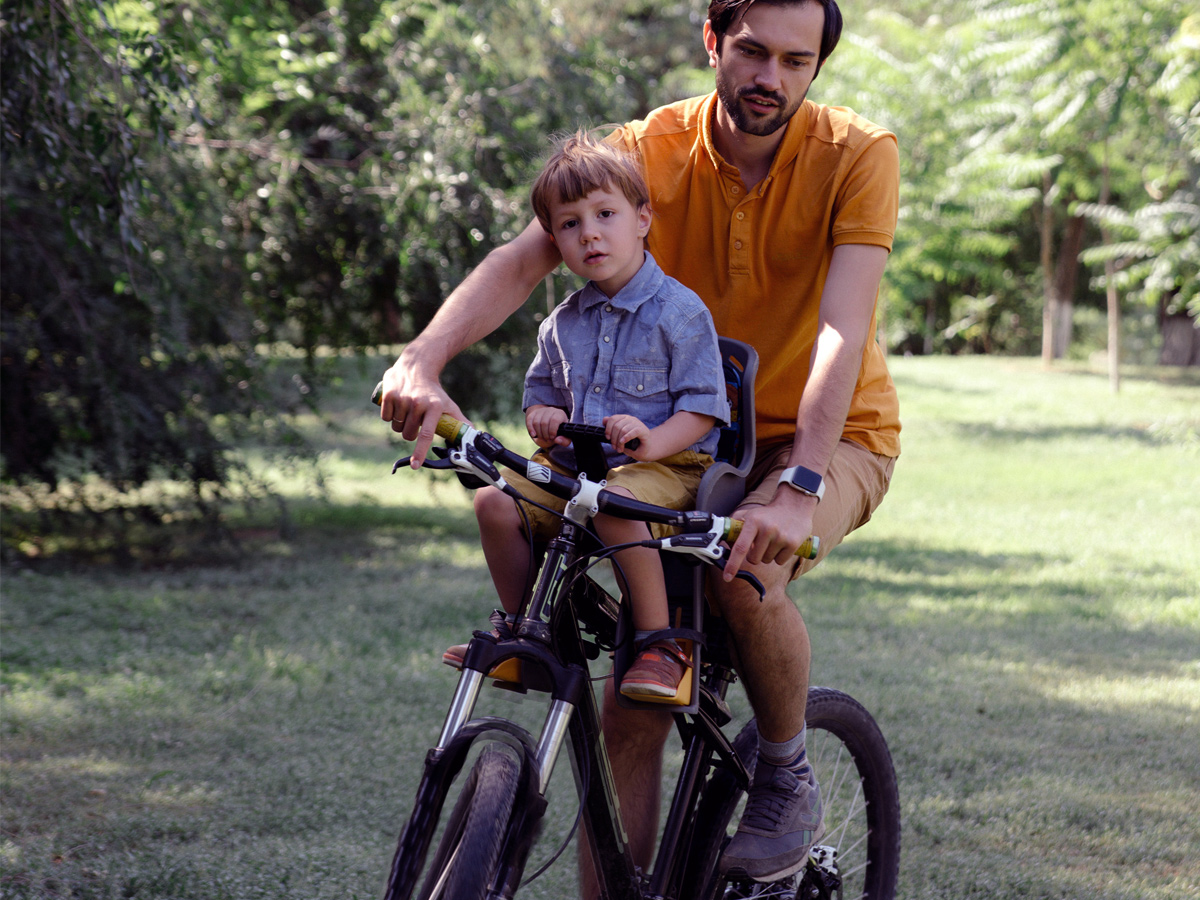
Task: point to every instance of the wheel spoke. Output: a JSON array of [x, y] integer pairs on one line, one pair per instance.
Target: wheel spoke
[[442, 878]]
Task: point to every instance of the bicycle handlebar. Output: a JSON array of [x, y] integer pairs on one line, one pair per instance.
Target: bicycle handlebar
[[485, 450]]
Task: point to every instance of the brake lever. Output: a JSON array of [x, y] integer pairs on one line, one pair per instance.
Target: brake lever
[[747, 577], [466, 479], [440, 463]]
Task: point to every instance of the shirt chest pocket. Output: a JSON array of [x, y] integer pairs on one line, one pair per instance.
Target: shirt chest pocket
[[560, 375], [644, 391]]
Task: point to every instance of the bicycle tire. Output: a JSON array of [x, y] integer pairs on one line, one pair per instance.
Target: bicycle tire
[[468, 854], [858, 789]]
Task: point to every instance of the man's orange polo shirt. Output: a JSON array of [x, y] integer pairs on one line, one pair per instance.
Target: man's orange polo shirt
[[759, 259]]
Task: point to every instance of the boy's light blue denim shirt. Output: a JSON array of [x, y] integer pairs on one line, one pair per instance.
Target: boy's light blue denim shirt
[[650, 351]]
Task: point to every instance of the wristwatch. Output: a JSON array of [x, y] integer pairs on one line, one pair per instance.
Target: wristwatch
[[806, 481]]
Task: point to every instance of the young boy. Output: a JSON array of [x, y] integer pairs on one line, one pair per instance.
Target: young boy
[[633, 351]]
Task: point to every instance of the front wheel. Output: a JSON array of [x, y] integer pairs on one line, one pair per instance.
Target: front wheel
[[859, 855], [465, 861], [467, 858]]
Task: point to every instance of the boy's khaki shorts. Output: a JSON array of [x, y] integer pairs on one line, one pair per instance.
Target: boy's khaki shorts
[[670, 482], [855, 485]]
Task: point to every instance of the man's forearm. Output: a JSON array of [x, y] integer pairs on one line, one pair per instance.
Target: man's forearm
[[847, 307], [821, 418]]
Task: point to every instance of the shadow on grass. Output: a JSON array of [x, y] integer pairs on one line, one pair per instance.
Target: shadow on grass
[[994, 434], [1032, 608], [1035, 713]]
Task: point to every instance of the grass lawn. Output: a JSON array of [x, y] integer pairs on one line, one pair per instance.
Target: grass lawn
[[1022, 616]]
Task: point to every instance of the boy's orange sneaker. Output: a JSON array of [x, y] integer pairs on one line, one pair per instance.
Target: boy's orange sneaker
[[656, 673]]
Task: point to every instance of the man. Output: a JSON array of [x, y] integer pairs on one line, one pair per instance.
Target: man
[[780, 214]]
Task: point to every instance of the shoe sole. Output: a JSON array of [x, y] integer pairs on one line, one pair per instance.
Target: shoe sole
[[643, 689]]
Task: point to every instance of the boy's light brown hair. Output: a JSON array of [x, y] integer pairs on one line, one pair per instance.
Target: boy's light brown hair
[[581, 164]]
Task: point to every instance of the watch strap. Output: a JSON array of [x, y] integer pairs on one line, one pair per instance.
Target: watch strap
[[806, 481]]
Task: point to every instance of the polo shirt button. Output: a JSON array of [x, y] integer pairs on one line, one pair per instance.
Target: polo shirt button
[[735, 189], [737, 245], [741, 216]]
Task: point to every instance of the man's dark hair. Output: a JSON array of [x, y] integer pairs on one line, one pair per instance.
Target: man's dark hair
[[723, 13]]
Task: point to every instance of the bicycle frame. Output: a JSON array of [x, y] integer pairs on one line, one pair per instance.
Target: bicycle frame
[[573, 710], [551, 647]]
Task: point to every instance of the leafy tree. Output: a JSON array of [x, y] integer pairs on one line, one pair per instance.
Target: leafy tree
[[185, 184], [1152, 255], [116, 360], [1086, 69], [1012, 119], [955, 280]]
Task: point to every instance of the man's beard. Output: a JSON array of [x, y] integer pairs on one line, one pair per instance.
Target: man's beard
[[747, 121]]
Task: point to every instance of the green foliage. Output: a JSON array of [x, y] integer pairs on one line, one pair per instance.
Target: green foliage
[[1003, 113], [116, 359], [1157, 250], [955, 280], [184, 185]]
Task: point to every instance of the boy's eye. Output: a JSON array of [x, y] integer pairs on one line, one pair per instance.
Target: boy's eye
[[568, 223], [605, 213]]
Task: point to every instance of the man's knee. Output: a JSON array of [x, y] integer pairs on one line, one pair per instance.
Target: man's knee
[[738, 600]]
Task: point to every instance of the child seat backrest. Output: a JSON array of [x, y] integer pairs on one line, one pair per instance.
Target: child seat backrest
[[724, 484]]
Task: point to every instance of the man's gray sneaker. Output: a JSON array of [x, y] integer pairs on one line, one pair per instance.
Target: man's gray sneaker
[[782, 821]]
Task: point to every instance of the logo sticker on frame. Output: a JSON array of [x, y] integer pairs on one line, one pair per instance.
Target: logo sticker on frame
[[537, 473]]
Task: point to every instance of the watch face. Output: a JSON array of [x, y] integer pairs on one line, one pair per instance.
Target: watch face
[[806, 479]]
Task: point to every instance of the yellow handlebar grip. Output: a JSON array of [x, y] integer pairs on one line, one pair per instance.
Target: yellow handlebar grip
[[807, 550], [449, 427], [732, 531]]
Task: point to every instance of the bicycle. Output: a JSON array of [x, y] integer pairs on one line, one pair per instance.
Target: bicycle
[[568, 620]]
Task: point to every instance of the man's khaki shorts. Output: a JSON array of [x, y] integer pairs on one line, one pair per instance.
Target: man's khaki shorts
[[670, 482], [855, 485]]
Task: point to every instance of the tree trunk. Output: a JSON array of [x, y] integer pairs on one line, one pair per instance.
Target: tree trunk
[[1049, 302], [1110, 290], [930, 323], [1181, 340], [1058, 277], [1114, 325], [1066, 275]]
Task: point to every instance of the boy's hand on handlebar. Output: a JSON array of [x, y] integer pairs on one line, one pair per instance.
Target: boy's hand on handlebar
[[771, 533], [412, 402], [542, 423], [620, 429]]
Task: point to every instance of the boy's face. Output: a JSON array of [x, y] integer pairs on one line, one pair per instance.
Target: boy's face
[[600, 237]]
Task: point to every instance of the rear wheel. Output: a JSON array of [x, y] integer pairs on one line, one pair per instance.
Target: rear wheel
[[468, 854], [860, 851]]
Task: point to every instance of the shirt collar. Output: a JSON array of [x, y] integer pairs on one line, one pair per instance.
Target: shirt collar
[[793, 136], [641, 287]]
